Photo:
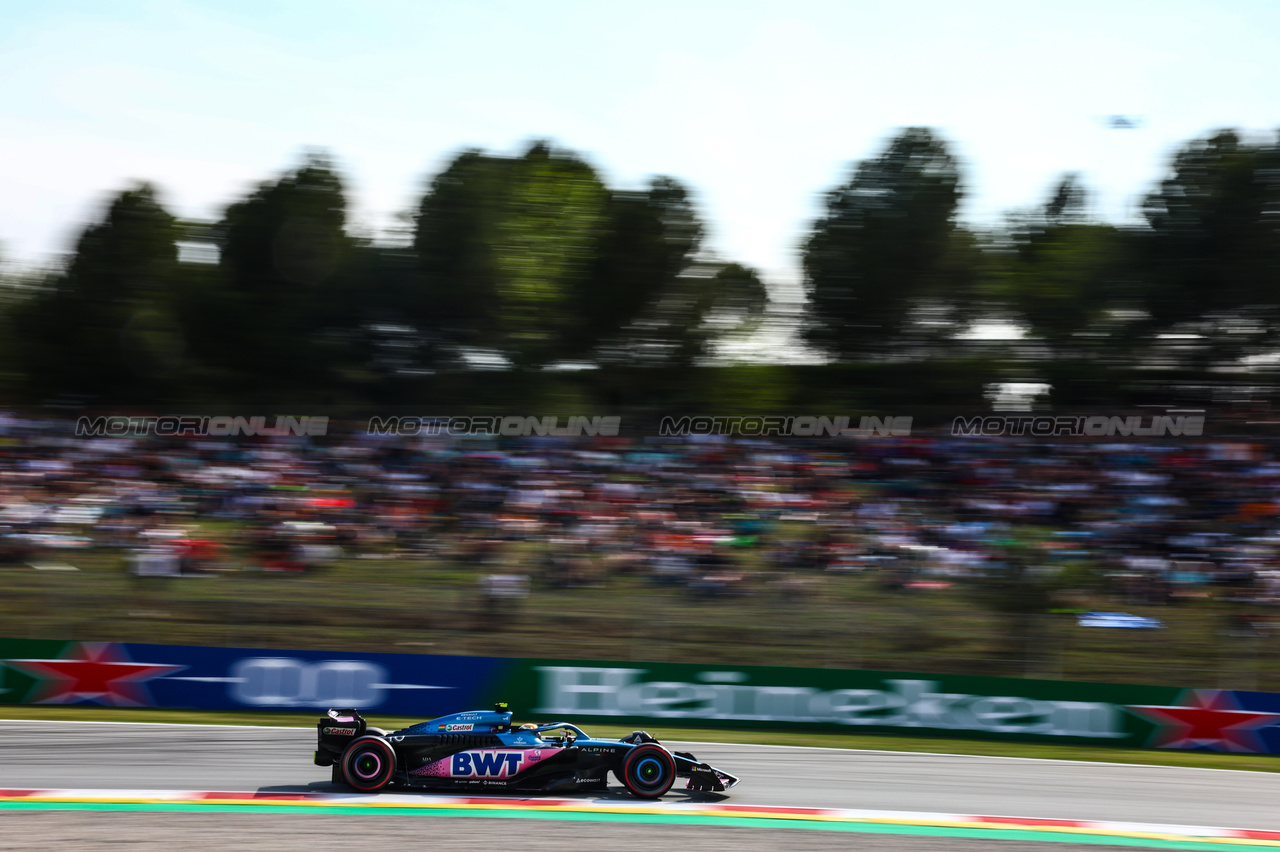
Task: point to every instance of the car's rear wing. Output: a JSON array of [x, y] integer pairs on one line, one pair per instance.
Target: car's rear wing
[[334, 731]]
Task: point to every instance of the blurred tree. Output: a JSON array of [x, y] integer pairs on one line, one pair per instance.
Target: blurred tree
[[706, 303], [11, 295], [106, 326], [653, 300], [533, 258], [879, 252], [283, 278], [1068, 203], [506, 244], [545, 240], [651, 238], [1212, 252], [1062, 277], [452, 227], [383, 340], [738, 297]]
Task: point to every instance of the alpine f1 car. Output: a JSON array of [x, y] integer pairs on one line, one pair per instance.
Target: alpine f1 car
[[481, 749]]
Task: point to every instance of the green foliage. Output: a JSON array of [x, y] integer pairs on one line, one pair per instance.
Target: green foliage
[[1061, 276], [533, 262], [733, 303], [505, 245], [106, 325], [695, 309], [282, 279], [546, 233], [1211, 255], [641, 305], [879, 250], [534, 258], [748, 389]]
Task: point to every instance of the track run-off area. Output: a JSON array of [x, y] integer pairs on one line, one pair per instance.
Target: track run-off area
[[55, 776]]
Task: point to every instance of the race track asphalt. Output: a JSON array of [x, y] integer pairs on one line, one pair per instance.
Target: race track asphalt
[[113, 756]]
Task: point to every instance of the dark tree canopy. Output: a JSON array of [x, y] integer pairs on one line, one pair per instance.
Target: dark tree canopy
[[505, 244], [1062, 277], [282, 279], [533, 263], [106, 325], [1211, 256], [533, 257], [879, 249]]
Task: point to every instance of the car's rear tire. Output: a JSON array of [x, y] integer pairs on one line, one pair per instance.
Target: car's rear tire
[[368, 764], [648, 771]]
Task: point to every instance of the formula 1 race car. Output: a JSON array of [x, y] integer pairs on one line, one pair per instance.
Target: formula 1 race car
[[480, 749]]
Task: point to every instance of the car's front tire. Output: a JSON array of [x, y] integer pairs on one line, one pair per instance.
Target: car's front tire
[[368, 764], [648, 771]]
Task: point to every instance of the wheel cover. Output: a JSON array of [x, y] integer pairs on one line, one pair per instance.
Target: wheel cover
[[649, 772], [368, 764], [368, 767]]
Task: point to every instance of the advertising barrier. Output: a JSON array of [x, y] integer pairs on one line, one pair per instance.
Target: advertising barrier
[[903, 702], [173, 676], [642, 694]]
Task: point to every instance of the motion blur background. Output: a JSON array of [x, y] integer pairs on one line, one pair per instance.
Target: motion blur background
[[695, 210]]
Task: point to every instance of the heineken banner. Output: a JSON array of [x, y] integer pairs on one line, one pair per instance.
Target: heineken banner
[[640, 694], [899, 702]]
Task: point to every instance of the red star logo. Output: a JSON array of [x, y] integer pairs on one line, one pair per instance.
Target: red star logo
[[1206, 718], [94, 671]]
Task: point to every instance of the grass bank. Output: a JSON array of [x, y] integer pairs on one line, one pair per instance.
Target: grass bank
[[435, 604]]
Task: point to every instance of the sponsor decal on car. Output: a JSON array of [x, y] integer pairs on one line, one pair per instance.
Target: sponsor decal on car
[[486, 763], [341, 732], [457, 727]]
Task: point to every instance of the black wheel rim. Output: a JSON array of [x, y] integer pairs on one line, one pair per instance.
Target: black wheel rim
[[649, 772], [368, 764]]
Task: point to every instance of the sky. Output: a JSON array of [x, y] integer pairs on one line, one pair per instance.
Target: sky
[[758, 107]]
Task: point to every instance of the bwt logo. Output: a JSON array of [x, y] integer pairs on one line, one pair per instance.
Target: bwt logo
[[486, 764], [178, 426], [796, 427], [511, 426]]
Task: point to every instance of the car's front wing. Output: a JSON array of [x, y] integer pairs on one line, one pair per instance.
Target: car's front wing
[[702, 776]]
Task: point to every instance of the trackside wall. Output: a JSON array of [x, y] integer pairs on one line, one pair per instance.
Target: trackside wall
[[641, 694]]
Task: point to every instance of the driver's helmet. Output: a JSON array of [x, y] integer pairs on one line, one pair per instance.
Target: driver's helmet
[[528, 726]]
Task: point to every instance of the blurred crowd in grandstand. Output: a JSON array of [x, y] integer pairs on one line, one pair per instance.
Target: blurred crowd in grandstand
[[1157, 518]]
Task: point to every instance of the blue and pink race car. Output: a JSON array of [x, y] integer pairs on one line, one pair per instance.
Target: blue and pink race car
[[481, 749]]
